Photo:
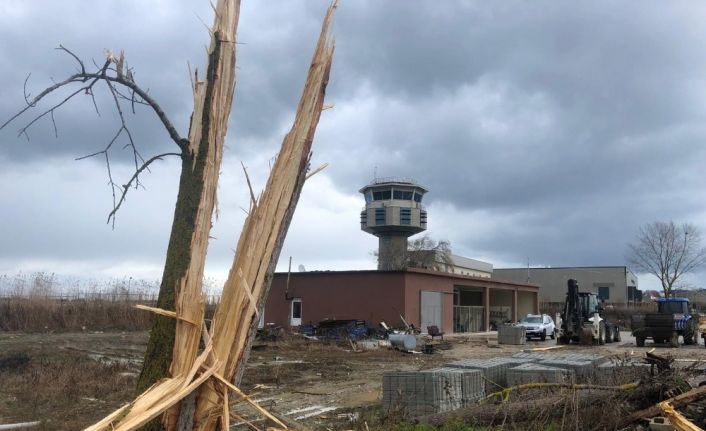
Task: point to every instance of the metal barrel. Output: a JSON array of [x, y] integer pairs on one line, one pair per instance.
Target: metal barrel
[[403, 341]]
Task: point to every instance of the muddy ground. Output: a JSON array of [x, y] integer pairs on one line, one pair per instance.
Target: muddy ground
[[321, 384]]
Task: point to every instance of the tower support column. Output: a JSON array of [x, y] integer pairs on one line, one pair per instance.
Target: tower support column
[[392, 252]]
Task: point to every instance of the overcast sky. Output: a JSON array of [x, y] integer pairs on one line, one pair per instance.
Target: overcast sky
[[545, 131]]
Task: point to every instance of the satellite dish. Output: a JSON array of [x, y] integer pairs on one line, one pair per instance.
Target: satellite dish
[[301, 268]]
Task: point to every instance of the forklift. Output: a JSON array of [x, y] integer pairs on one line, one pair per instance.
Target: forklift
[[581, 320]]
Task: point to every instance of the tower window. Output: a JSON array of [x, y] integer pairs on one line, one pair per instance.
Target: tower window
[[364, 218], [379, 216], [417, 197], [382, 195], [402, 195], [405, 216]]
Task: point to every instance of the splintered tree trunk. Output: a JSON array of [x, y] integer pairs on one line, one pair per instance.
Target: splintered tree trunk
[[260, 242], [206, 375], [181, 288]]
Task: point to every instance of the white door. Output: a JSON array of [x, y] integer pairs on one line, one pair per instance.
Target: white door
[[431, 310], [261, 323], [295, 312]]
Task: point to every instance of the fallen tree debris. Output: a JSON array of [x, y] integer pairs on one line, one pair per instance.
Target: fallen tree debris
[[674, 402], [679, 422], [20, 425]]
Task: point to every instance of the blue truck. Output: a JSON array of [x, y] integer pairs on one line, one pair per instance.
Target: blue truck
[[674, 318]]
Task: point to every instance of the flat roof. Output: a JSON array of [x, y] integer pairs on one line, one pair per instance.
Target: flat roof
[[420, 271], [566, 267]]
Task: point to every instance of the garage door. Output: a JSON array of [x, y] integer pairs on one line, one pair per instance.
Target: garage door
[[431, 310]]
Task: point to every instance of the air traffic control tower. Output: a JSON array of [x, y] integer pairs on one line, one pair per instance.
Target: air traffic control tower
[[393, 212]]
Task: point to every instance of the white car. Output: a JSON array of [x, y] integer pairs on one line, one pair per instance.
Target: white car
[[537, 325]]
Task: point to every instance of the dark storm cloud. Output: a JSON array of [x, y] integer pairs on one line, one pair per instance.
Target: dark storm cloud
[[552, 129]]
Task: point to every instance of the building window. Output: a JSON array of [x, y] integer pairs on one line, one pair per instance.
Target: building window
[[297, 309], [379, 216], [402, 195], [604, 293], [405, 216], [382, 195], [364, 218], [423, 217], [417, 197]]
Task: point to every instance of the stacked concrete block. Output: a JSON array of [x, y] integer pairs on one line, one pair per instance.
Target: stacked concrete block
[[519, 361], [620, 373], [511, 334], [432, 391], [538, 373], [533, 356], [471, 381], [583, 370], [595, 358], [494, 370]]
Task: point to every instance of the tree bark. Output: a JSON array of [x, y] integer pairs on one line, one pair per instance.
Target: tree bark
[[173, 345], [160, 345], [261, 239]]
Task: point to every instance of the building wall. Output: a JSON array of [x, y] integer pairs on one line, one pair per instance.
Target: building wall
[[376, 296], [525, 304], [553, 280], [467, 266], [368, 295], [414, 285]]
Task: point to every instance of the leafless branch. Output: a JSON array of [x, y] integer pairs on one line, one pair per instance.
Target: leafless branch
[[124, 80], [119, 79], [78, 60], [133, 179], [24, 89]]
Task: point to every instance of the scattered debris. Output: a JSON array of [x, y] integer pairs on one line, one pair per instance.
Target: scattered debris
[[21, 425]]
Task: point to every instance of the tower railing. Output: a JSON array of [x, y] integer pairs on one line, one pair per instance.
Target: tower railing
[[406, 180]]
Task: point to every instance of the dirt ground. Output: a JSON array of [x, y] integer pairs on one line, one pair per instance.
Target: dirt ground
[[320, 384]]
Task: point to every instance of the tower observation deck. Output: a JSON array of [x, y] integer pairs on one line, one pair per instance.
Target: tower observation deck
[[393, 212]]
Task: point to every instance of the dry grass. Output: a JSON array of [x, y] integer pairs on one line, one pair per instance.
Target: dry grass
[[66, 391], [47, 314], [50, 314]]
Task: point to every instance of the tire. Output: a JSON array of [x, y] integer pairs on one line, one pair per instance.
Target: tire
[[674, 341], [562, 340], [544, 335], [609, 334], [553, 336], [601, 333], [616, 337], [689, 336], [640, 341]]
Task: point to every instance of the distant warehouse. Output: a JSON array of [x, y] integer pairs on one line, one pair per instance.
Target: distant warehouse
[[614, 284]]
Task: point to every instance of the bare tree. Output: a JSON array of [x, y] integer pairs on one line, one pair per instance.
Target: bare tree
[[201, 155], [126, 95], [667, 251], [425, 252]]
